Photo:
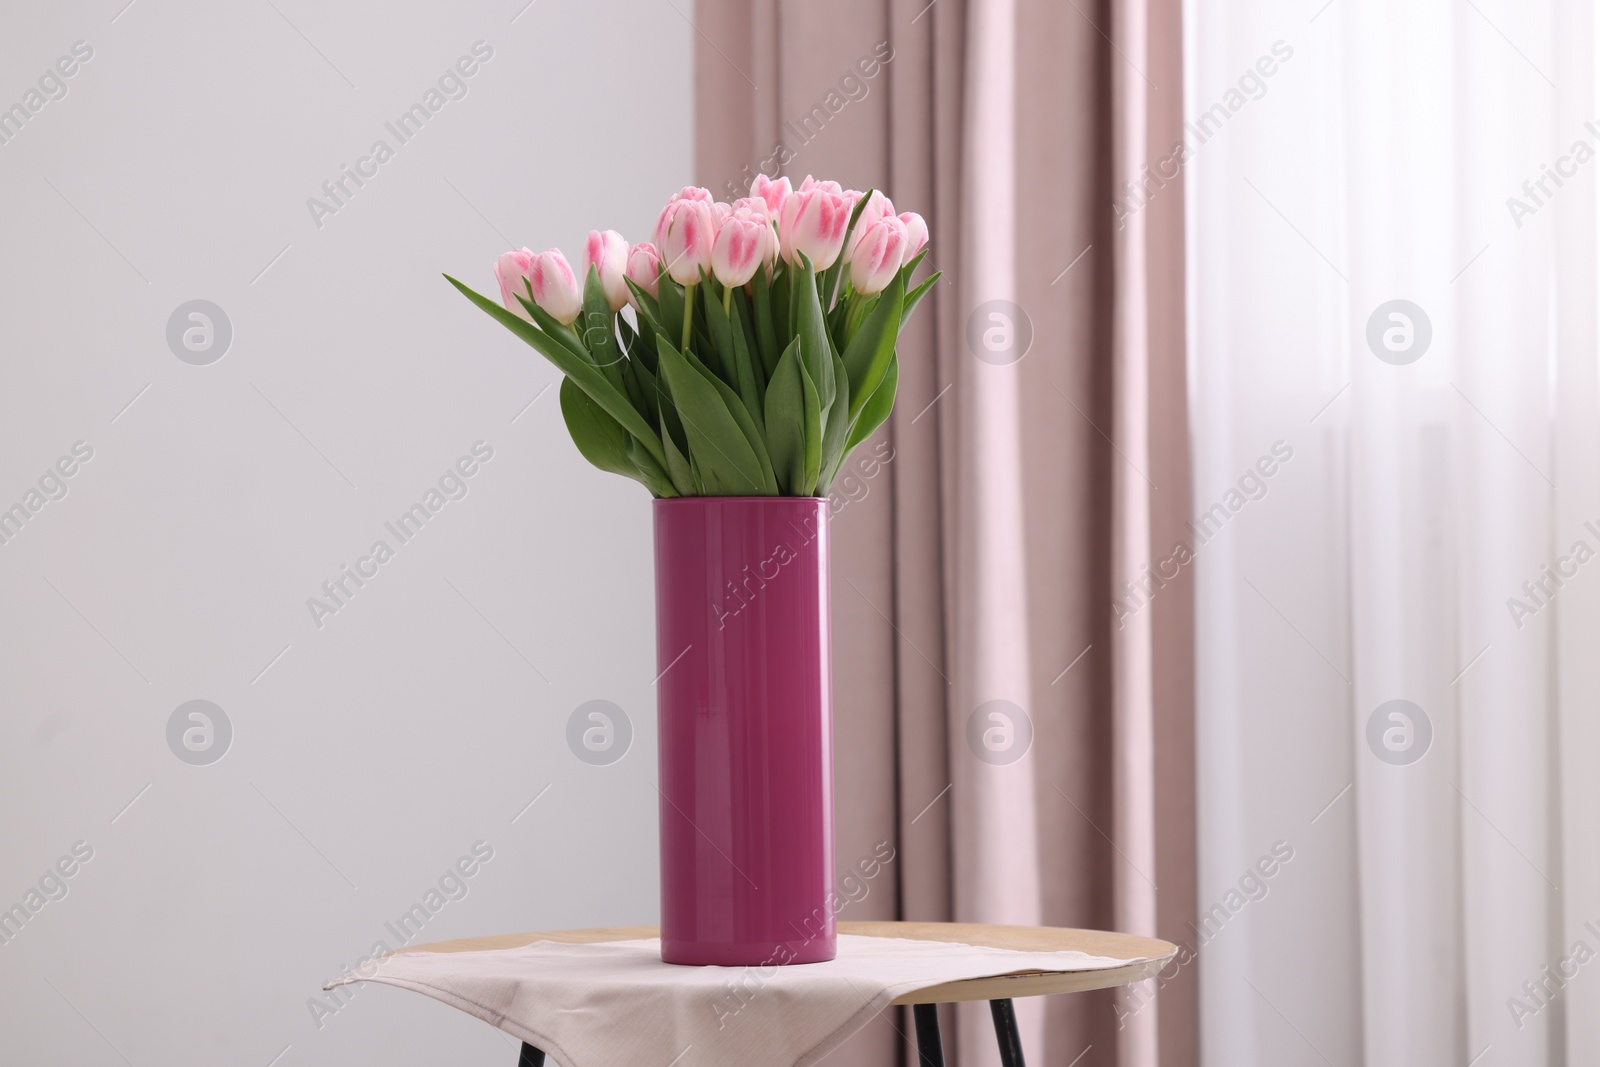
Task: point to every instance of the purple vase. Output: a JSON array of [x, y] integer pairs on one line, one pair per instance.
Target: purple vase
[[745, 714]]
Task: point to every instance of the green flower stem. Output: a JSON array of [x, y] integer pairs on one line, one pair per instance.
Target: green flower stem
[[727, 300], [854, 302], [688, 316]]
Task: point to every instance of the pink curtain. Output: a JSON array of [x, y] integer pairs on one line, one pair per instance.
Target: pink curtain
[[984, 550]]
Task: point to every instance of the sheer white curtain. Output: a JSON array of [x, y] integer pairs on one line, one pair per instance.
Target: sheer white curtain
[[1445, 859]]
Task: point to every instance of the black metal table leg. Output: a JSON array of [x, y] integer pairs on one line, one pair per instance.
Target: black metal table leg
[[1005, 1031], [531, 1057], [929, 1048]]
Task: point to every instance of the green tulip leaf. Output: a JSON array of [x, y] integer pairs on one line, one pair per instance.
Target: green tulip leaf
[[839, 317], [676, 445], [553, 329], [636, 394], [721, 336], [751, 381], [642, 301], [669, 301], [766, 335], [914, 297], [649, 391], [876, 410], [786, 420], [813, 425], [782, 316], [598, 331], [639, 344], [679, 467], [816, 351], [866, 358], [836, 428], [654, 477], [603, 442], [720, 451], [747, 425], [584, 373]]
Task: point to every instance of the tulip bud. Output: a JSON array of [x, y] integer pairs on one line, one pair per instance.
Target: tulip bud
[[917, 230], [511, 271], [811, 183], [688, 192], [876, 207], [687, 230], [608, 251], [644, 267], [555, 287], [753, 207], [741, 244], [813, 222], [879, 253], [773, 191]]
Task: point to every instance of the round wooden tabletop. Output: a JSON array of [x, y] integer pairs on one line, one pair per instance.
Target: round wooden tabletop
[[1147, 955]]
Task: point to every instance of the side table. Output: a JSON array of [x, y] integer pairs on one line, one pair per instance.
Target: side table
[[1149, 956]]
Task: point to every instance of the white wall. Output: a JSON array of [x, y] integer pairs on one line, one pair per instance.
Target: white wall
[[426, 713]]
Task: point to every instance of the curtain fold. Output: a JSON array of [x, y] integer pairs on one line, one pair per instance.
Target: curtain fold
[[1395, 675], [992, 581]]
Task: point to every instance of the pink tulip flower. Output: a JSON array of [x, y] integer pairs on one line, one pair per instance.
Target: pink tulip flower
[[742, 243], [811, 183], [687, 231], [774, 191], [609, 251], [555, 287], [813, 222], [644, 267], [688, 192], [754, 206], [879, 253], [511, 271], [918, 232], [877, 206]]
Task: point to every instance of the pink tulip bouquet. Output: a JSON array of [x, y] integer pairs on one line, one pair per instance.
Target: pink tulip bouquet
[[759, 348]]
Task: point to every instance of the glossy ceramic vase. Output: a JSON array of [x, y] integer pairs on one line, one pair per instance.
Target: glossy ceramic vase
[[745, 726]]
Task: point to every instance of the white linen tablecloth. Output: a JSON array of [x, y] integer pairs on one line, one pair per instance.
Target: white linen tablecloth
[[615, 1004]]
